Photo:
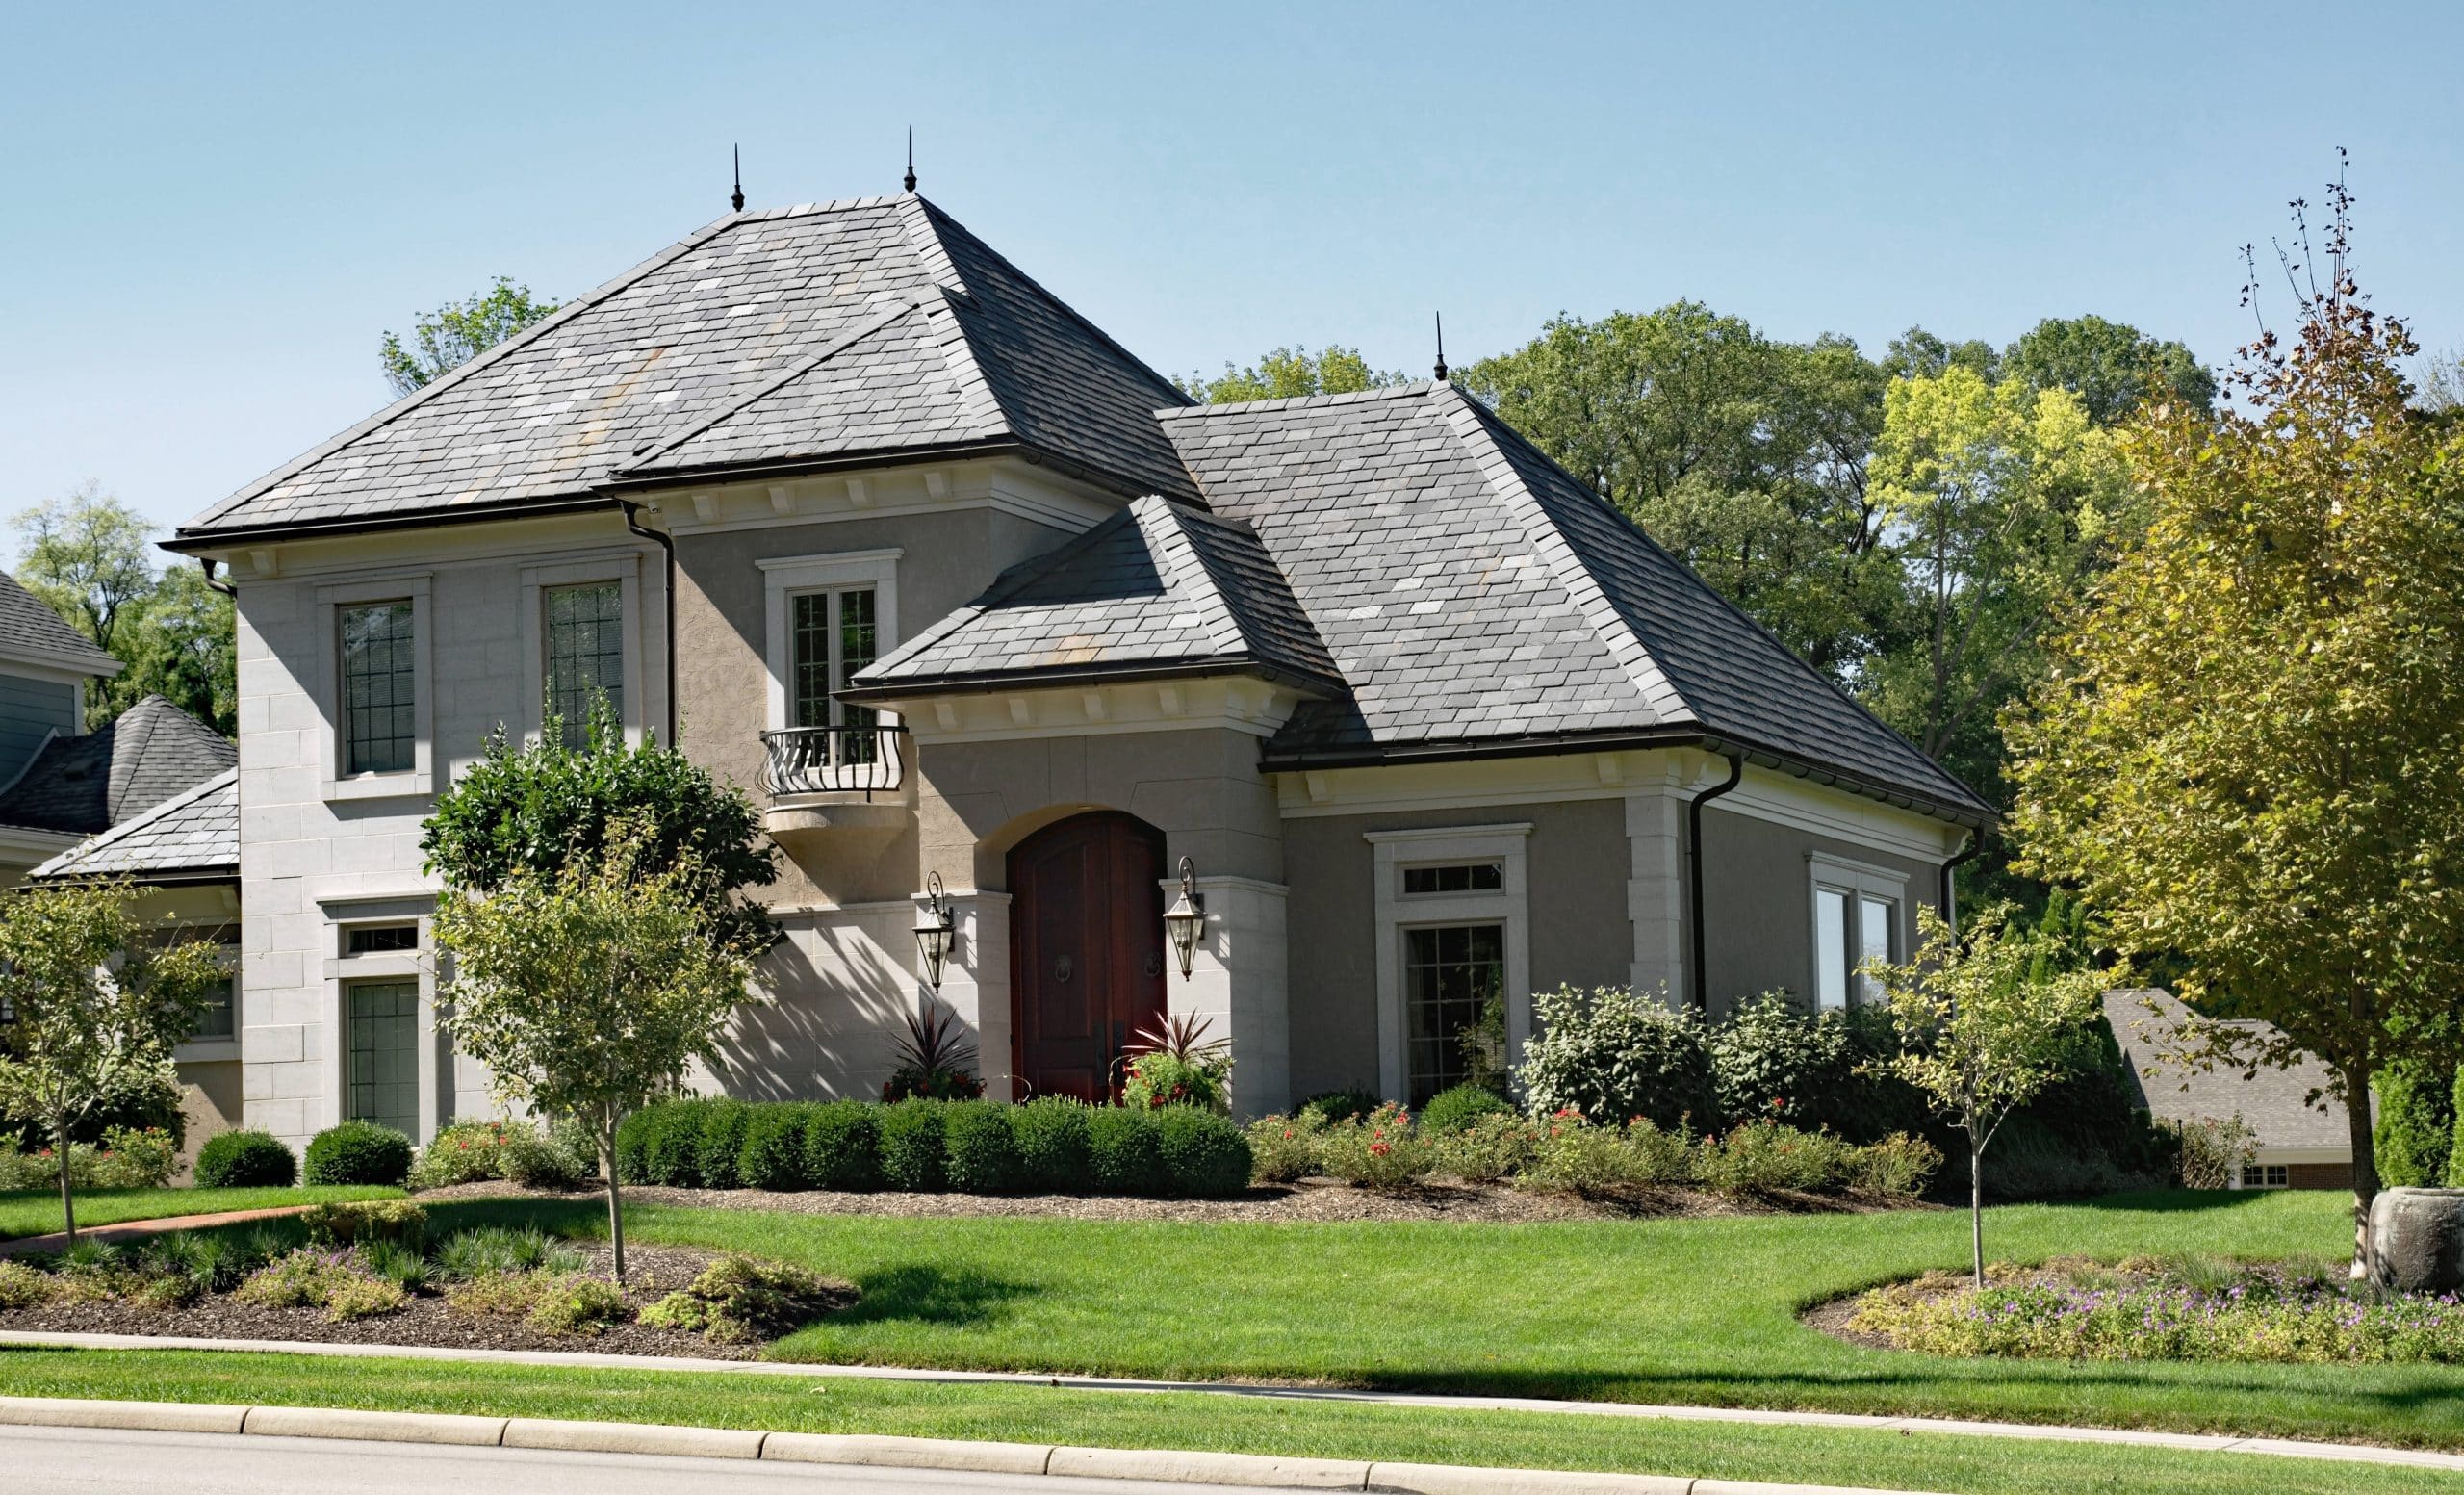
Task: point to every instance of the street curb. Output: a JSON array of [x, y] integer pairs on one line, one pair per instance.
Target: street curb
[[1164, 1465]]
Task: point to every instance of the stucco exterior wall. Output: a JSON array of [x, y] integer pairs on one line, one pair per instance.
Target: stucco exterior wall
[[1758, 891], [1580, 935]]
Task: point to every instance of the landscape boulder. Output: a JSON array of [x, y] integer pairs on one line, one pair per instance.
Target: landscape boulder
[[2417, 1240]]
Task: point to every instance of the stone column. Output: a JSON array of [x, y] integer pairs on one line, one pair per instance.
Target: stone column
[[975, 981], [1655, 888], [1239, 982]]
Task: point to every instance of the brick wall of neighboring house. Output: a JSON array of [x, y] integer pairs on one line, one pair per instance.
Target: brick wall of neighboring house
[[2318, 1175]]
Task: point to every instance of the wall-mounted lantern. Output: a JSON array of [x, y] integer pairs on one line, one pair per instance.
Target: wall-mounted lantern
[[934, 930], [1185, 918]]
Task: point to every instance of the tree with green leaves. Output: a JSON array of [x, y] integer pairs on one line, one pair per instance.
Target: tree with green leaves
[[1289, 373], [2247, 758], [544, 804], [2112, 366], [1988, 1019], [459, 331], [588, 991], [89, 556], [183, 649], [1919, 355], [90, 1007]]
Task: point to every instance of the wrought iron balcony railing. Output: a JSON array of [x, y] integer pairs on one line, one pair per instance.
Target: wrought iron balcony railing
[[832, 760]]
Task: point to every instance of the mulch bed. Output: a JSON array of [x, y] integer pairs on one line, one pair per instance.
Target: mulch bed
[[1309, 1200], [655, 1271], [1831, 1318]]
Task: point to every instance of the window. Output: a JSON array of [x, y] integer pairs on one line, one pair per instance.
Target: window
[[829, 617], [1450, 973], [836, 634], [215, 1020], [2266, 1175], [1460, 877], [384, 1053], [381, 730], [585, 653], [1856, 921], [382, 940]]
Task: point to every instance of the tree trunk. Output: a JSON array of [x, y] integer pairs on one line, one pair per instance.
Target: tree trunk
[[1976, 1210], [2365, 1159], [67, 1203], [615, 1206]]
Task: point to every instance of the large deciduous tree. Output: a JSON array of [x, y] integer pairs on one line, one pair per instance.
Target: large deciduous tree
[[89, 1008], [1289, 373], [459, 331], [2112, 365], [2249, 756], [88, 556]]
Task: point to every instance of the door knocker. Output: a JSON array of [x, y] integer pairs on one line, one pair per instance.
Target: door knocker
[[1154, 963], [1060, 969]]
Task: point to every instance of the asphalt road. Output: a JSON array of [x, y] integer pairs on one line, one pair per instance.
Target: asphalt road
[[89, 1461]]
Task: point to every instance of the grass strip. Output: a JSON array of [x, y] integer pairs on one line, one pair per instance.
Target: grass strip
[[36, 1212]]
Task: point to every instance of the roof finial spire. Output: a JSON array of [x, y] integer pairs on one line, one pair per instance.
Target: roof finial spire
[[736, 152], [910, 158], [1441, 348]]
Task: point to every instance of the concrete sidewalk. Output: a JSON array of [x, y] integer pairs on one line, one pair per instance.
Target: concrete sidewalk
[[2218, 1443]]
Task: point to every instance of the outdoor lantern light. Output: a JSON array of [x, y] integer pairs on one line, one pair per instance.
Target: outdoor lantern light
[[934, 930], [1185, 918]]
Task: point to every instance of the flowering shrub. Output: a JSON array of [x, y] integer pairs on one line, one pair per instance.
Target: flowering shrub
[[2214, 1149], [464, 1153], [1613, 1052], [130, 1157], [1573, 1155], [1286, 1146], [1764, 1155], [1899, 1166], [1159, 1079], [1489, 1146], [2266, 1313], [1382, 1149]]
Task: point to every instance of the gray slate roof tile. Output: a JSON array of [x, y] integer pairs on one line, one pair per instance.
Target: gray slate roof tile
[[27, 623], [146, 754], [192, 833]]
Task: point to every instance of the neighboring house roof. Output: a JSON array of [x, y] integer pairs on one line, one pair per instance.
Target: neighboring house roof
[[1157, 587], [146, 754], [30, 629], [194, 834], [2273, 1102], [1474, 596], [831, 332]]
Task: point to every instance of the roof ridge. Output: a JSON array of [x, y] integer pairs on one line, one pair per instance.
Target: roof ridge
[[1181, 551], [1564, 561], [111, 834], [1196, 411], [816, 208], [895, 310], [465, 369], [1010, 580]]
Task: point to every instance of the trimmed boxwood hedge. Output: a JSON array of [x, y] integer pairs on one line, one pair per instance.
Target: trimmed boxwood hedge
[[358, 1152], [247, 1159], [971, 1147]]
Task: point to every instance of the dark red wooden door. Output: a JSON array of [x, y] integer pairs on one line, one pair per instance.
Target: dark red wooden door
[[1085, 950]]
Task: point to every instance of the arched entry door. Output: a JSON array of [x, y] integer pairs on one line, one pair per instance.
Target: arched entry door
[[1085, 950]]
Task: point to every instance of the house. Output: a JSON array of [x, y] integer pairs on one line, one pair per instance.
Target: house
[[45, 669], [998, 631], [2300, 1144]]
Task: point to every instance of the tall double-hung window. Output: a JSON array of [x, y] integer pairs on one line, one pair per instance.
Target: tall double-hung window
[[380, 687], [585, 637], [835, 634]]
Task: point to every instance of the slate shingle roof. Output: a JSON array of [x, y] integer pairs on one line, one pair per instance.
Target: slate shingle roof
[[194, 834], [1156, 585], [29, 626], [150, 753], [840, 331]]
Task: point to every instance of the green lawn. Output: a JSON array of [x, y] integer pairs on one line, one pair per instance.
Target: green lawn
[[1919, 1461], [36, 1212]]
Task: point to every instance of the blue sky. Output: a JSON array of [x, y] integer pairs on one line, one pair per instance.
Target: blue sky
[[212, 213]]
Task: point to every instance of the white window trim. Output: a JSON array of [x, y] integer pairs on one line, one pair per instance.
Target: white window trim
[[1855, 878], [345, 912], [1391, 851], [214, 1050], [785, 578], [420, 778], [622, 567]]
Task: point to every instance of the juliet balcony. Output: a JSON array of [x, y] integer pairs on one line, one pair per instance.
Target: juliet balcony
[[838, 789]]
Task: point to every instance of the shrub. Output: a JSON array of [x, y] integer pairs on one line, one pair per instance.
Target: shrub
[[2416, 1127], [2029, 1163], [302, 1279], [671, 1143], [1899, 1166], [23, 1287], [843, 1146], [1570, 1153], [246, 1160], [2455, 1153], [358, 1152], [982, 1151], [634, 1144], [1125, 1151], [540, 1160], [143, 1099], [1380, 1150], [357, 1297], [720, 1141], [503, 1295], [348, 1223], [1054, 1154], [1204, 1155], [1154, 1080], [2212, 1150], [1452, 1110], [1761, 1156], [463, 1152], [773, 1155], [737, 1299], [913, 1158], [1613, 1055], [1334, 1105], [1285, 1148], [1772, 1059], [573, 1304], [1490, 1146], [136, 1157]]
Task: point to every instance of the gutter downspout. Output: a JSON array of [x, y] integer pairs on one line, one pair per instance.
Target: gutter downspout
[[1974, 848], [224, 587], [666, 542], [1694, 873]]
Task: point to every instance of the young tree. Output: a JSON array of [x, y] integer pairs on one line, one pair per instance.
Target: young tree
[[1289, 373], [588, 991], [459, 331], [88, 1008], [543, 805], [2247, 758], [1985, 1020]]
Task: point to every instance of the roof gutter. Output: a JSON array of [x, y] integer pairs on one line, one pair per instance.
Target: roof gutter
[[196, 542], [1694, 876]]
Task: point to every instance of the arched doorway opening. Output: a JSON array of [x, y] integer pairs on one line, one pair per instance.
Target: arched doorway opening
[[1085, 950]]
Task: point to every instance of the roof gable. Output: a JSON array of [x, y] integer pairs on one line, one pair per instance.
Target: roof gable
[[146, 754], [193, 832], [29, 629]]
